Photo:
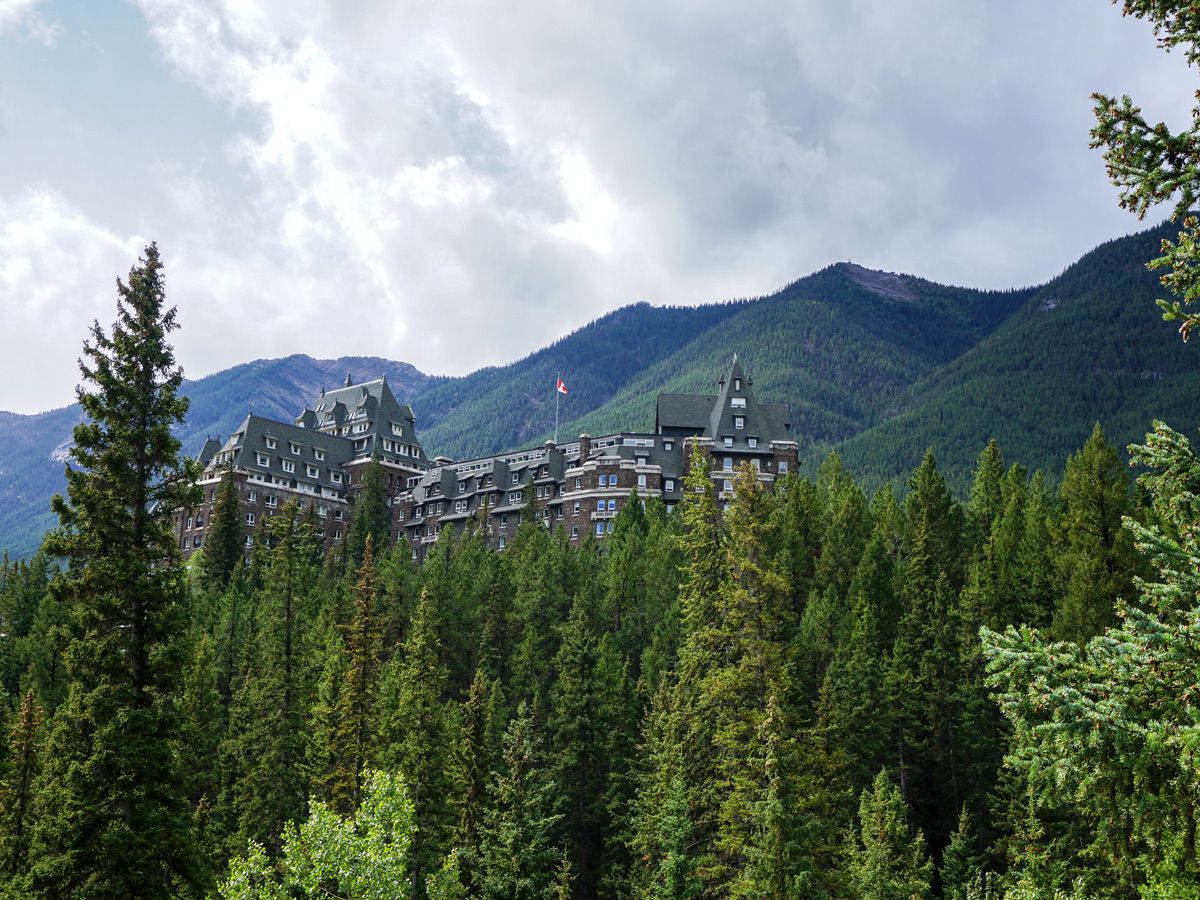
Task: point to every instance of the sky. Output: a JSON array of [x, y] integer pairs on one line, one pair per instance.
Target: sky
[[457, 184]]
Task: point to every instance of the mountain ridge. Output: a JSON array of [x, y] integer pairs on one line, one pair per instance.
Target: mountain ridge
[[879, 365]]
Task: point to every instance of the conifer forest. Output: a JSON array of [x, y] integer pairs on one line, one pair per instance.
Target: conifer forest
[[804, 689]]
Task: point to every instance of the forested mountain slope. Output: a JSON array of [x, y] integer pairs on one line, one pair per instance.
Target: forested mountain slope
[[1087, 347]]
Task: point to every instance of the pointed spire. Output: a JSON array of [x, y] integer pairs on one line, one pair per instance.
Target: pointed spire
[[349, 380]]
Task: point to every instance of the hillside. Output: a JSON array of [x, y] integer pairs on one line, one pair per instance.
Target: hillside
[[33, 448], [1087, 347]]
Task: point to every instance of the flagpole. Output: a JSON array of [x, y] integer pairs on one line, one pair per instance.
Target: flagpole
[[557, 379]]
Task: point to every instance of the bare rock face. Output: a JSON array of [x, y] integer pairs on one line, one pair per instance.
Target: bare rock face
[[886, 284]]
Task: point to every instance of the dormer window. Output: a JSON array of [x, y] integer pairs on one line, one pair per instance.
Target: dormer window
[[262, 459], [738, 402], [737, 384], [753, 442], [318, 455], [295, 448], [739, 422], [728, 441], [271, 443]]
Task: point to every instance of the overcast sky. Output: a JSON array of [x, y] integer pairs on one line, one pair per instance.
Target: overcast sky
[[457, 184]]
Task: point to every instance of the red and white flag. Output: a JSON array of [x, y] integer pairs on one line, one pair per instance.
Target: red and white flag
[[562, 388]]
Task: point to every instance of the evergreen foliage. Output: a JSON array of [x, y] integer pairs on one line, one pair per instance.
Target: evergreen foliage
[[112, 817]]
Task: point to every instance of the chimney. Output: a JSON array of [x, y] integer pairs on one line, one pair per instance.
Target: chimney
[[585, 447], [349, 380]]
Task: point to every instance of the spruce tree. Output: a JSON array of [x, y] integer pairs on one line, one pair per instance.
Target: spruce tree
[[889, 861], [1096, 558], [417, 733], [355, 715], [518, 855], [371, 516], [225, 541], [17, 791], [268, 721], [113, 813]]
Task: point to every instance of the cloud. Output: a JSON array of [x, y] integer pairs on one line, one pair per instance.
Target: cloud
[[52, 253], [457, 184], [22, 17]]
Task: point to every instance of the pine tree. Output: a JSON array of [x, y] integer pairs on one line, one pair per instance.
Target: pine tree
[[961, 863], [1153, 165], [17, 790], [354, 737], [416, 736], [202, 721], [268, 722], [371, 516], [518, 856], [225, 541], [476, 755], [1096, 558], [889, 860], [113, 818]]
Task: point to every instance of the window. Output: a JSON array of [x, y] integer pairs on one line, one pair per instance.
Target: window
[[728, 440], [272, 501], [501, 542], [504, 521], [198, 540], [335, 477], [602, 481], [337, 515], [783, 467], [612, 505], [668, 445], [728, 465], [271, 443], [318, 455], [574, 531], [337, 534], [641, 481], [514, 498], [757, 464], [249, 518], [599, 529], [460, 506], [737, 384], [249, 541], [212, 495], [669, 485], [397, 429], [515, 477], [739, 422], [289, 466], [738, 402], [575, 509], [609, 526], [726, 485], [313, 471], [400, 515], [753, 442], [262, 459], [578, 483], [190, 522], [295, 448]]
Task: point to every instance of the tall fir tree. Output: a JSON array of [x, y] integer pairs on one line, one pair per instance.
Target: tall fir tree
[[17, 792], [889, 861], [113, 813], [224, 540], [371, 516], [417, 733], [518, 855], [1096, 558]]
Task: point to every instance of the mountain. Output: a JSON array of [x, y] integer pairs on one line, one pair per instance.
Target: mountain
[[1087, 347], [33, 448], [876, 364]]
